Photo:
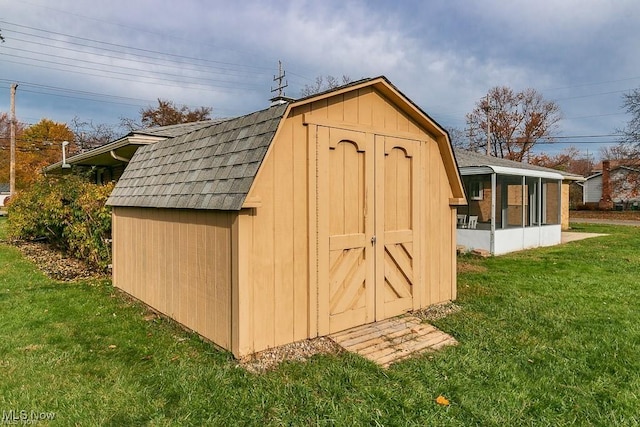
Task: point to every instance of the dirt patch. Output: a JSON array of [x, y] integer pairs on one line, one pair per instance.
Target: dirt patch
[[298, 351], [55, 264], [437, 311], [467, 267], [302, 350]]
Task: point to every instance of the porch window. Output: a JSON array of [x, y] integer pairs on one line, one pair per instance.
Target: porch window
[[476, 189]]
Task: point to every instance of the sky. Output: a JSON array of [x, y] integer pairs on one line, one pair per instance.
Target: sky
[[100, 61]]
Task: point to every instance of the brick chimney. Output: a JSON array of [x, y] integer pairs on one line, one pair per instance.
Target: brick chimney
[[606, 204]]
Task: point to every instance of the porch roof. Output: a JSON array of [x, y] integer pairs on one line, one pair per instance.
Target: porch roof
[[471, 163]]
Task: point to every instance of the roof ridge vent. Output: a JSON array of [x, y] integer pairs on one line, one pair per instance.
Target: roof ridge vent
[[279, 100]]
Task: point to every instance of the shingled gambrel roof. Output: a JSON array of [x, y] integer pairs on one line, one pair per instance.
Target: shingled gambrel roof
[[212, 167]]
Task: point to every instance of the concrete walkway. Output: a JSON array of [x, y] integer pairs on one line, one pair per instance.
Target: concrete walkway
[[572, 236], [391, 340]]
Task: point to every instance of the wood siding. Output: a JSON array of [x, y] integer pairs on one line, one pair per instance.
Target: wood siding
[[283, 243], [179, 263]]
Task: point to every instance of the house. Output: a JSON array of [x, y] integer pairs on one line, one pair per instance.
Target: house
[[4, 193], [292, 222], [613, 183], [107, 163], [511, 205]]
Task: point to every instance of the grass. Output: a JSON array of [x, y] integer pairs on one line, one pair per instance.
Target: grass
[[548, 337]]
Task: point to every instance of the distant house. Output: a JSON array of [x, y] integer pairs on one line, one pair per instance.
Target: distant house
[[511, 205], [613, 183], [300, 220], [4, 193]]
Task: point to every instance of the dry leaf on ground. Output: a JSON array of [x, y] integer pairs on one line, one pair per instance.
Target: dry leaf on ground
[[443, 401]]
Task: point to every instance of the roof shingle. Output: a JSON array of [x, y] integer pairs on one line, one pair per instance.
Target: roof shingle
[[211, 167]]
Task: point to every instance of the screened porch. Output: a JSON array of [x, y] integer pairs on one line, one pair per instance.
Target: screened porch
[[509, 209]]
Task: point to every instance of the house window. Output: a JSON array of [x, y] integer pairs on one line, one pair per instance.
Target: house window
[[475, 190]]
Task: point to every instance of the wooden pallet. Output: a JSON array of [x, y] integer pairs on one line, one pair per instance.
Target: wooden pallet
[[391, 340]]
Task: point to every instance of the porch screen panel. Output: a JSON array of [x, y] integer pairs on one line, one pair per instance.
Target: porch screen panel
[[513, 202], [551, 202]]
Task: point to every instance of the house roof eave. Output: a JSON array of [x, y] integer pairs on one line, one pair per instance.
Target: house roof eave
[[85, 159], [503, 170]]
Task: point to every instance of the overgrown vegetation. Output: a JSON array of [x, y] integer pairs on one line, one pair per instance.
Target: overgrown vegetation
[[547, 337], [69, 212]]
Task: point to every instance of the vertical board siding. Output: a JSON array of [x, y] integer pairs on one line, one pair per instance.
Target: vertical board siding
[[178, 262], [283, 245], [283, 228], [280, 242], [299, 235], [263, 258]]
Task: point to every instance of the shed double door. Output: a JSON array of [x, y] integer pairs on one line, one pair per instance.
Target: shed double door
[[368, 188]]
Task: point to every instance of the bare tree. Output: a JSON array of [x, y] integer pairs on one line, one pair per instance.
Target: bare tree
[[324, 83], [621, 151], [165, 114], [458, 137], [631, 104], [516, 122], [568, 160], [628, 149], [89, 135], [130, 124]]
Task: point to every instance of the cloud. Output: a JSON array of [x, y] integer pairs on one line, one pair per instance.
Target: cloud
[[444, 55]]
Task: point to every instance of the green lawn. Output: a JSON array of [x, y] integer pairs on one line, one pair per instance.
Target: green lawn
[[547, 337]]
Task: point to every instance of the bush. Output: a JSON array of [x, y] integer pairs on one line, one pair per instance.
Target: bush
[[69, 212]]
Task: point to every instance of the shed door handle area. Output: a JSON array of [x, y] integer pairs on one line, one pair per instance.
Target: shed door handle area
[[373, 240]]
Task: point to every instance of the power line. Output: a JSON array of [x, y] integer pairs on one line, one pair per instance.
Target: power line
[[577, 142], [144, 30], [76, 91], [137, 49], [593, 94], [213, 83], [588, 136], [168, 62], [199, 87], [596, 83]]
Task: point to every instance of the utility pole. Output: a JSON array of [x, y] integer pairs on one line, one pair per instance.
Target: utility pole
[[488, 127], [12, 167]]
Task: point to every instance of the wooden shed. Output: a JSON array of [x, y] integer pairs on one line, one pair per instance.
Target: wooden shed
[[300, 220]]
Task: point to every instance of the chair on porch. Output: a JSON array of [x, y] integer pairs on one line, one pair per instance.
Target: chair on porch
[[473, 222], [462, 221]]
